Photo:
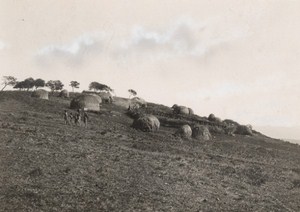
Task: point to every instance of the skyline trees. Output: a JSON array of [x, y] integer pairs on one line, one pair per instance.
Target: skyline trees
[[74, 84], [29, 83], [96, 86], [54, 85]]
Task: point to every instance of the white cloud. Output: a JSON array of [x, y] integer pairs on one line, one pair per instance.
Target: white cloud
[[183, 38], [74, 51]]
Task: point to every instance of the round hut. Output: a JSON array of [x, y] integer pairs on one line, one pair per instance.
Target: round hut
[[40, 93], [201, 132], [86, 102], [146, 123], [64, 94], [182, 110], [213, 118], [184, 131], [106, 97], [191, 112], [243, 130], [139, 102]]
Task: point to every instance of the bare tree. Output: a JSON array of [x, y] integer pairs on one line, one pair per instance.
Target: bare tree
[[8, 80]]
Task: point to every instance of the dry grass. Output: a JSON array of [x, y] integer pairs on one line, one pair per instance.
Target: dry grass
[[48, 166]]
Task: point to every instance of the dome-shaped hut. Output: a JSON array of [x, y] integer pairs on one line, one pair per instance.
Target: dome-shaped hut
[[201, 132], [243, 130], [97, 97], [40, 93], [213, 118], [146, 123], [138, 101], [184, 131], [106, 97], [182, 110], [64, 93], [86, 102], [191, 112]]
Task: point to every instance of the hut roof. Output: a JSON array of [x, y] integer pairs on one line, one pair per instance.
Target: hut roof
[[40, 93], [88, 102]]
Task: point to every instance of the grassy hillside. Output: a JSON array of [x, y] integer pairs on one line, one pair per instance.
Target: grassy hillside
[[46, 165]]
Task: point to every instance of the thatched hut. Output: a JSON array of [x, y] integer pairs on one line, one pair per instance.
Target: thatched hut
[[86, 102], [106, 97], [121, 102], [97, 97], [191, 112], [213, 118], [243, 130], [40, 93], [146, 123], [138, 102], [64, 93], [201, 132], [180, 109], [184, 131]]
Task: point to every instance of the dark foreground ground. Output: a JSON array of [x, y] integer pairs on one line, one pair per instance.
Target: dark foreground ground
[[48, 166]]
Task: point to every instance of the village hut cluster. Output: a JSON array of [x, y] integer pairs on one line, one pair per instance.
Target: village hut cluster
[[91, 101]]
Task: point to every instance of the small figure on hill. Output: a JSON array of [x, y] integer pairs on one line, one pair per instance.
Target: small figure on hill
[[85, 119], [71, 116], [66, 117], [78, 118], [110, 99]]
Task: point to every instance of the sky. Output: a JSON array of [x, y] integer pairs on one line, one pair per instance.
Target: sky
[[234, 58]]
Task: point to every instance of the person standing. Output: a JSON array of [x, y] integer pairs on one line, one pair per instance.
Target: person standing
[[85, 119], [78, 118], [72, 118], [66, 117]]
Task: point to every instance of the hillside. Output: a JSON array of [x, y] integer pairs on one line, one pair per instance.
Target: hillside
[[46, 165]]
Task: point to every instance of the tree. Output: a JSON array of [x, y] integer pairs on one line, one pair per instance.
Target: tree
[[74, 84], [20, 85], [58, 85], [39, 83], [8, 80], [54, 85], [96, 86], [132, 93], [29, 83]]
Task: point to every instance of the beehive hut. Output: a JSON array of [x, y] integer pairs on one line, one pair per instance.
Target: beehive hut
[[86, 102], [121, 102], [97, 97], [64, 94], [243, 130], [40, 93], [146, 123], [139, 102], [201, 132], [213, 118], [184, 131], [180, 109], [106, 97], [191, 112]]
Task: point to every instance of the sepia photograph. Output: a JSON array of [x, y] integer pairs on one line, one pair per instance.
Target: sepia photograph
[[149, 105]]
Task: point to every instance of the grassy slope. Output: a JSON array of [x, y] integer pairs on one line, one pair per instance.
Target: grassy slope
[[48, 166]]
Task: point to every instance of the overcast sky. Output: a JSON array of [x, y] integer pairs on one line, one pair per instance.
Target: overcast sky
[[237, 59]]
